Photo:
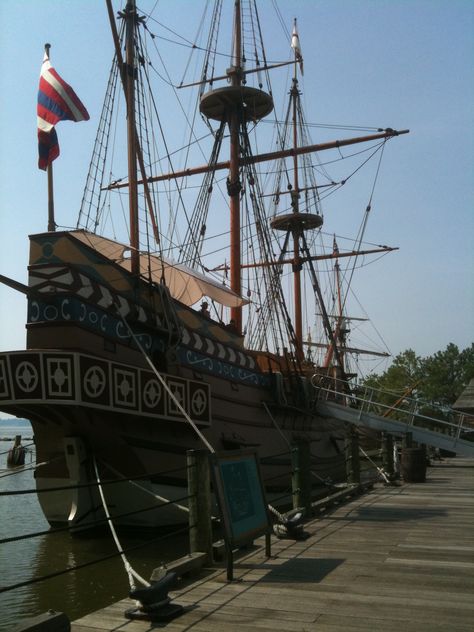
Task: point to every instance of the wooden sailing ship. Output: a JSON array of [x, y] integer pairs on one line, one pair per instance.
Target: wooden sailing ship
[[120, 368]]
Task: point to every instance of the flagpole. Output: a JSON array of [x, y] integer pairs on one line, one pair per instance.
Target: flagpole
[[51, 222]]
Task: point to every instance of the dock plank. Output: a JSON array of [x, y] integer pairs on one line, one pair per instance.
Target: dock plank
[[396, 558]]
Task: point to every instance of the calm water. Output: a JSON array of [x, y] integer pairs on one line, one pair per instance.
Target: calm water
[[75, 593]]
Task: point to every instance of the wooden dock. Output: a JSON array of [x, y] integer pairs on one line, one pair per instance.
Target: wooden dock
[[396, 558]]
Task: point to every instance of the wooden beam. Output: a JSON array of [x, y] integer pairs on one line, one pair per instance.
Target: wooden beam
[[285, 153]]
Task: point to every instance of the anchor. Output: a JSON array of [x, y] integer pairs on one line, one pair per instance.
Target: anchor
[[155, 604]]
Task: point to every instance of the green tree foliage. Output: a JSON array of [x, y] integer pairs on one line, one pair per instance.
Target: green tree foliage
[[439, 378], [401, 377], [446, 374]]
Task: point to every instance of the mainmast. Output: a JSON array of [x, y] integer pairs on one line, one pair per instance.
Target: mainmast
[[234, 185], [295, 195], [236, 104]]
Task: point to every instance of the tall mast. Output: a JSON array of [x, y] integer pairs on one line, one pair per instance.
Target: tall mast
[[130, 15], [295, 195], [234, 185], [298, 222], [340, 314], [235, 104]]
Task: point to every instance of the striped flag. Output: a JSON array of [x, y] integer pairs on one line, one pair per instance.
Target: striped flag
[[57, 101]]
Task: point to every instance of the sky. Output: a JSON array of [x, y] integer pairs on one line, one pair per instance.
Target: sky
[[405, 64]]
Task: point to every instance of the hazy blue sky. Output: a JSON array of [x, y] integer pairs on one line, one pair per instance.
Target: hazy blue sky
[[388, 63]]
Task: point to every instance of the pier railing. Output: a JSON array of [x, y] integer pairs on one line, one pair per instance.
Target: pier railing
[[433, 424]]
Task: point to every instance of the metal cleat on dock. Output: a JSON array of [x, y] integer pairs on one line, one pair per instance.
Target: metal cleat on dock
[[290, 525], [155, 604]]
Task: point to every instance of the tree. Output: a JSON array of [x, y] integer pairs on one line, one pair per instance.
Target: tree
[[447, 373], [404, 372], [439, 378], [400, 379]]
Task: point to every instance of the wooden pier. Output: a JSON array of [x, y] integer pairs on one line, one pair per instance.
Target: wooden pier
[[397, 558]]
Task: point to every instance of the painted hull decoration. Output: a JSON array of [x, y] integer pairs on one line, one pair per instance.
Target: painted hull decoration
[[44, 378]]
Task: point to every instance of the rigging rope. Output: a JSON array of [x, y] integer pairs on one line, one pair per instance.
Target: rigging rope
[[364, 225], [164, 384], [148, 491]]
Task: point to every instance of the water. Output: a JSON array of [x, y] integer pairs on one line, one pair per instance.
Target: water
[[77, 592]]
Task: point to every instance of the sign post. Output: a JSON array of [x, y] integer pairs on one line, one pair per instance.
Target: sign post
[[241, 497]]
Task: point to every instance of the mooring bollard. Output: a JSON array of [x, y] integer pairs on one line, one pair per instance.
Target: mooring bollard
[[352, 455], [199, 491], [301, 475]]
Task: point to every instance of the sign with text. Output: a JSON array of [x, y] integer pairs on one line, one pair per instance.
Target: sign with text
[[241, 496]]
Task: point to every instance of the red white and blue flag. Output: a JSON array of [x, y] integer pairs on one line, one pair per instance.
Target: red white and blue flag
[[57, 101]]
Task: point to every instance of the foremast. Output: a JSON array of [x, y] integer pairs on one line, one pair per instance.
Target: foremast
[[128, 75], [130, 16]]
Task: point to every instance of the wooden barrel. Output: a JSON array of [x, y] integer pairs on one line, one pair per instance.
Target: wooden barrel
[[413, 465]]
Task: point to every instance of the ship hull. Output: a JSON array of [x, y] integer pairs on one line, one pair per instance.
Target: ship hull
[[80, 441], [116, 374]]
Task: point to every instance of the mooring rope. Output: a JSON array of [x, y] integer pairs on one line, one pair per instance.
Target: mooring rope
[[325, 481], [130, 571], [285, 439], [381, 472]]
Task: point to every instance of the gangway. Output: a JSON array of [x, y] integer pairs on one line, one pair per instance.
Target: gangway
[[362, 406]]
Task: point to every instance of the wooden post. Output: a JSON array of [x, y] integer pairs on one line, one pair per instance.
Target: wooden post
[[199, 490], [301, 475], [16, 456], [352, 455], [387, 454]]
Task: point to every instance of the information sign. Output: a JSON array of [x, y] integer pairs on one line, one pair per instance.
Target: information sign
[[241, 497]]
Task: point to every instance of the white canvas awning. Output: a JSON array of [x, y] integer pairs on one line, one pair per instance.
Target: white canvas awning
[[186, 285]]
